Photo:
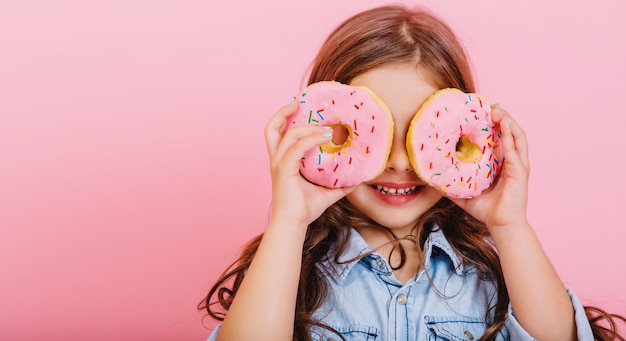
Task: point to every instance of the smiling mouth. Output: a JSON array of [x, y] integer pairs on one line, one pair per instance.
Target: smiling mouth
[[395, 191]]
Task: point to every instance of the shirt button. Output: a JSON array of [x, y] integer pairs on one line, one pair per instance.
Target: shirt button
[[380, 263], [332, 339], [468, 335], [402, 299]]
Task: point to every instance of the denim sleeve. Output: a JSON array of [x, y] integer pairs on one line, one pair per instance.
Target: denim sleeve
[[583, 328], [213, 335]]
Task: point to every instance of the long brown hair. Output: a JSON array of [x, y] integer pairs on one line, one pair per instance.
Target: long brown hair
[[389, 34]]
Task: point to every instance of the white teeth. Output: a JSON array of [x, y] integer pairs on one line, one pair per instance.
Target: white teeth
[[395, 191]]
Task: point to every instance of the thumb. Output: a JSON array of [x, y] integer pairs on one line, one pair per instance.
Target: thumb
[[335, 194]]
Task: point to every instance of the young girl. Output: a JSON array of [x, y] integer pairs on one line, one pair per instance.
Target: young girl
[[365, 264]]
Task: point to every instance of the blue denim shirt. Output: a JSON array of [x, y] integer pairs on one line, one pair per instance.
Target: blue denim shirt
[[367, 302]]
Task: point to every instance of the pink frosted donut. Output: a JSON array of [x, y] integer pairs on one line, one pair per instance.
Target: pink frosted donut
[[362, 132], [454, 145]]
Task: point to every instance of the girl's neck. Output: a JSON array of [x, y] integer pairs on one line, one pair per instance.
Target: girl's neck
[[383, 242]]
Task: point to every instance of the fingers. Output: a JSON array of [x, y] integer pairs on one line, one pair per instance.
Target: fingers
[[521, 142], [337, 193], [292, 144], [277, 124], [514, 142], [298, 140]]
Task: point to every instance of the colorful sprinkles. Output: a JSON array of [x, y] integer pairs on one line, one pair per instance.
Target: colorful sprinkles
[[369, 128], [433, 141]]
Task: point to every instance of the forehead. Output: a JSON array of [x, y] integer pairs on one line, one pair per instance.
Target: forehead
[[403, 87]]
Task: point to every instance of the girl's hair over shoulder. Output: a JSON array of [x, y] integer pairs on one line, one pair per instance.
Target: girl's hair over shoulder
[[375, 37]]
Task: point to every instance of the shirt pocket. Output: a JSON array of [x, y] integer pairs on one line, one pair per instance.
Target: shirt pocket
[[457, 328], [349, 333]]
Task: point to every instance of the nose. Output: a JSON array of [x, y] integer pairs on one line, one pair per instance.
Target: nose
[[398, 157]]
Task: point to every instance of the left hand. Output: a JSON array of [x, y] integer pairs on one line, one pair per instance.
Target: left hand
[[504, 204]]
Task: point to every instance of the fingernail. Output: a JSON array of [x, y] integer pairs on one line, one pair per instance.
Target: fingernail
[[329, 134], [327, 127], [291, 100], [509, 121]]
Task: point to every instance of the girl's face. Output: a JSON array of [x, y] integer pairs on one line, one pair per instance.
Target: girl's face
[[397, 197]]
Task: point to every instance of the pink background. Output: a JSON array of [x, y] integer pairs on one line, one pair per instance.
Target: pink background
[[133, 165]]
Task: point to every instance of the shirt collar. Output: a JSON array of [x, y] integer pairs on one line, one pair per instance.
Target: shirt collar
[[435, 245]]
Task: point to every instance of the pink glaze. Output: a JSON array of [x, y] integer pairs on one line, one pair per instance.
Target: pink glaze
[[432, 143], [370, 127]]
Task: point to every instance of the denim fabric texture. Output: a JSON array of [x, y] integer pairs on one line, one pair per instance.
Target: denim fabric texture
[[447, 300]]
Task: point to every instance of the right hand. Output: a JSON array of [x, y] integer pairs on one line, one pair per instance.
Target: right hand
[[295, 200]]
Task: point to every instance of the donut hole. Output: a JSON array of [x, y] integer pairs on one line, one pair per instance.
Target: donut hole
[[340, 135], [467, 151], [341, 138]]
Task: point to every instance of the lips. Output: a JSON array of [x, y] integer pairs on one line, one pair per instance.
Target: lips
[[396, 194]]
